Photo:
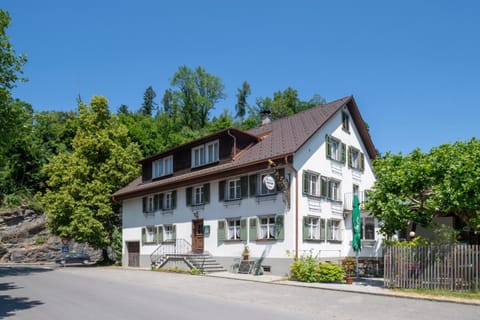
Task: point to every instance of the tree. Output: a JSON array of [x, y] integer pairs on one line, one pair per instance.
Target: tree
[[196, 92], [148, 105], [11, 113], [80, 183], [416, 188], [123, 109], [242, 95]]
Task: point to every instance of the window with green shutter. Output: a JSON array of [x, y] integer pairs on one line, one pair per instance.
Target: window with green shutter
[[159, 234], [243, 229], [252, 184], [253, 228], [188, 196], [221, 190], [221, 230], [244, 186], [279, 227]]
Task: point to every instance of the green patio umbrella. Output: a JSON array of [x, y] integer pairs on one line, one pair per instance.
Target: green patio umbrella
[[356, 226]]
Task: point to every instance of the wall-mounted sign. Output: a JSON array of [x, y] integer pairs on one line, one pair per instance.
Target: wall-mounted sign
[[206, 230], [269, 182]]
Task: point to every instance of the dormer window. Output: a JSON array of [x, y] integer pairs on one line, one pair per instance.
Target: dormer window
[[205, 154], [162, 167]]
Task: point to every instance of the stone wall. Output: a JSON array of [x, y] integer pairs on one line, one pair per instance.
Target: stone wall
[[24, 238]]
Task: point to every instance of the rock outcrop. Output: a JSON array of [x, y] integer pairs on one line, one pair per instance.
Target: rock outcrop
[[24, 238]]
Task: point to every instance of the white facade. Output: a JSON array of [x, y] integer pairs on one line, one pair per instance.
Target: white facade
[[310, 157]]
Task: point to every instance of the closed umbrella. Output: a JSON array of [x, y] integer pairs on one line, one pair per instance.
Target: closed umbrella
[[356, 228]]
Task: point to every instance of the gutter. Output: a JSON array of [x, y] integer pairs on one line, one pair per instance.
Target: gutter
[[234, 143]]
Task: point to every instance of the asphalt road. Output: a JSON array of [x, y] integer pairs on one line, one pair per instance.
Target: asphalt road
[[109, 293]]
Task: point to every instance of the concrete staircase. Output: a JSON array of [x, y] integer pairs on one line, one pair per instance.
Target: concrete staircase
[[202, 261]]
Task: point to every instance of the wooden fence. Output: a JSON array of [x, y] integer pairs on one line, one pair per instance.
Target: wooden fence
[[447, 267]]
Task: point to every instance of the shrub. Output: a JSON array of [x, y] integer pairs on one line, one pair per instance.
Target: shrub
[[309, 269], [41, 239]]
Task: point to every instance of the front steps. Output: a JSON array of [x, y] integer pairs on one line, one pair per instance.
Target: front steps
[[202, 261]]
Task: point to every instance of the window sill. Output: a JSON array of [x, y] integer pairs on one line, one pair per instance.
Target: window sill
[[162, 177], [334, 241], [167, 211], [233, 241], [314, 240], [356, 169], [267, 240], [198, 206], [310, 196], [266, 197], [233, 202], [149, 243]]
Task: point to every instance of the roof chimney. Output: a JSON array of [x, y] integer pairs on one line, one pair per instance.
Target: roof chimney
[[265, 116]]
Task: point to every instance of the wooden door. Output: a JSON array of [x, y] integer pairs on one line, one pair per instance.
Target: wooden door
[[197, 236], [133, 249]]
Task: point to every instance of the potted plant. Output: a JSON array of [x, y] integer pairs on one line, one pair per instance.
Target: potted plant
[[348, 265], [246, 253]]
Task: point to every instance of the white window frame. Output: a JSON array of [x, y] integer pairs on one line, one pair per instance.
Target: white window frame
[[335, 149], [313, 185], [233, 229], [345, 121], [205, 154], [214, 155], [234, 191], [150, 204], [336, 234], [266, 225], [167, 201], [198, 195], [364, 228], [162, 167], [334, 188], [150, 234], [314, 232], [168, 232]]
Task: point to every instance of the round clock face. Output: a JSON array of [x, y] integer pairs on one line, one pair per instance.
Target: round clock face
[[269, 182]]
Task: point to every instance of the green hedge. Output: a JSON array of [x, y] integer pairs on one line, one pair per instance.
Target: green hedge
[[309, 269]]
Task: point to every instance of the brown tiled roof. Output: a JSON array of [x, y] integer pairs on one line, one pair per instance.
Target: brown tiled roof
[[279, 139]]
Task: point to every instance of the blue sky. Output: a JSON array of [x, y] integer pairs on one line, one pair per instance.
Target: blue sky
[[413, 66]]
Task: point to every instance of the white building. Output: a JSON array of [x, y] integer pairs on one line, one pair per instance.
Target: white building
[[284, 189]]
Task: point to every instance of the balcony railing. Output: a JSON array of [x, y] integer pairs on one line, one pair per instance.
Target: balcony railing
[[348, 200]]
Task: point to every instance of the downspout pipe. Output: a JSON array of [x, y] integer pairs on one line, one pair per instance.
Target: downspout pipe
[[296, 204], [234, 143]]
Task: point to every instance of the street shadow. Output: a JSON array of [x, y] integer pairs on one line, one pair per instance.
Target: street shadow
[[8, 286], [10, 305], [10, 271]]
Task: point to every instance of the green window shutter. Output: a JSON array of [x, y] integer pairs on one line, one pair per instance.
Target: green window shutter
[[160, 201], [174, 199], [174, 232], [362, 161], [244, 187], [206, 193], [305, 182], [144, 204], [155, 202], [144, 236], [279, 228], [344, 152], [324, 186], [160, 234], [252, 181], [155, 235], [221, 230], [329, 229], [243, 229], [253, 228], [305, 228], [221, 190], [328, 147], [281, 179], [188, 192], [350, 157], [322, 229], [329, 189]]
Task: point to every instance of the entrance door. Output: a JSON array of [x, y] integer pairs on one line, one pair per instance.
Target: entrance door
[[197, 236], [133, 249]]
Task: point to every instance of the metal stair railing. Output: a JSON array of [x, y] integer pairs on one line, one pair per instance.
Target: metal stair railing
[[170, 248]]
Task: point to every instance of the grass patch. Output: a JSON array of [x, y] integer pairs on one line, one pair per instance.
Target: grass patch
[[193, 271], [472, 295]]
